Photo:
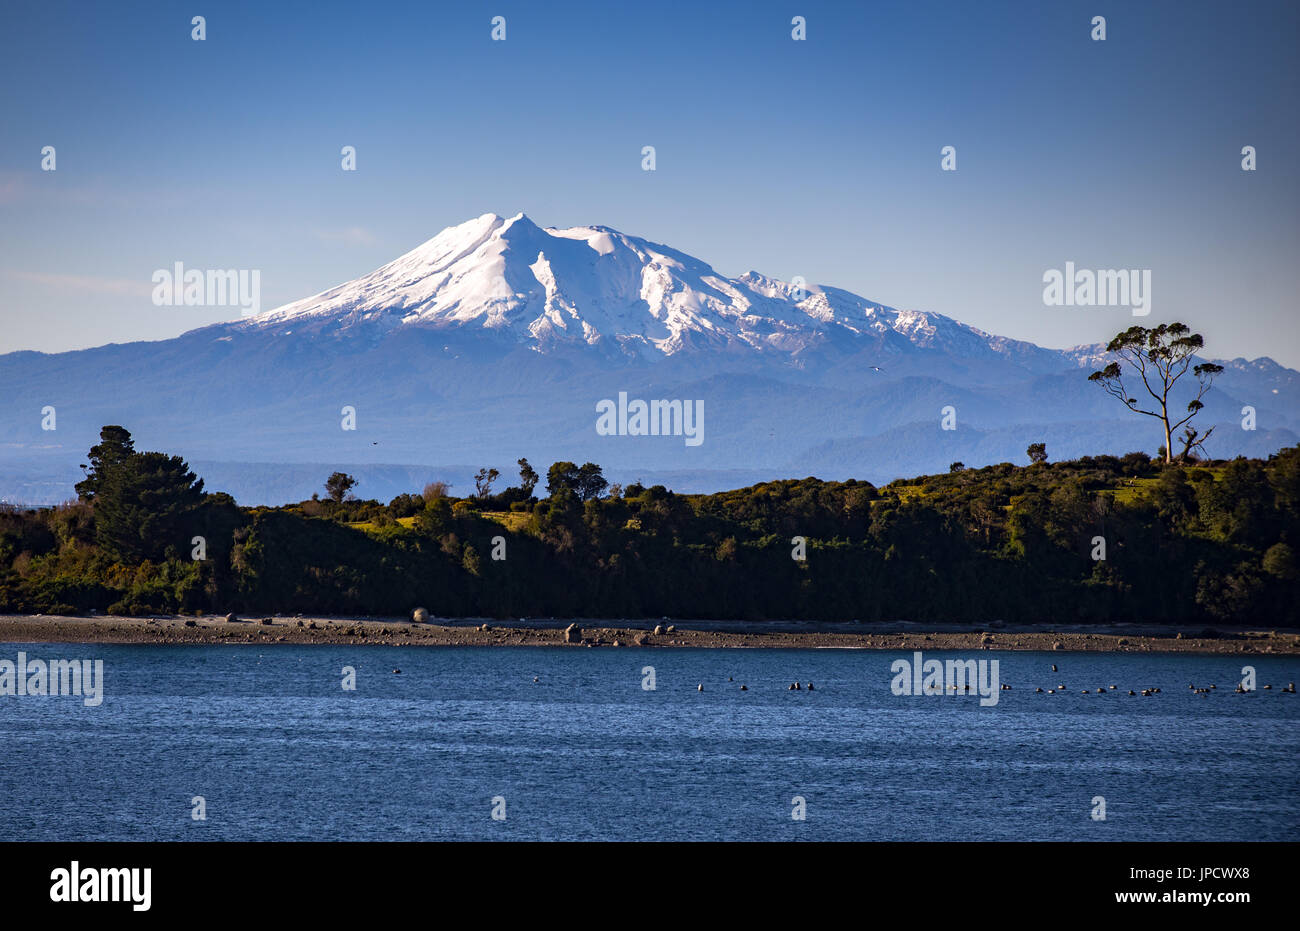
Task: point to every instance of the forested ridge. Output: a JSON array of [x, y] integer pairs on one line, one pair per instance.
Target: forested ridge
[[1097, 539]]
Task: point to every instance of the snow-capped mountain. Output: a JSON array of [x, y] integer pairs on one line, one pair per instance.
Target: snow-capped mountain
[[596, 287], [497, 339]]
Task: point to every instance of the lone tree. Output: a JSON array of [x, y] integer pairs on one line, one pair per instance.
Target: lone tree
[[114, 449], [144, 502], [585, 481], [528, 477], [145, 505], [1160, 357], [1037, 453], [483, 482], [338, 485]]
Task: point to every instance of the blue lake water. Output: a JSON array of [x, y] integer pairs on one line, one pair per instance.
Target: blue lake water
[[279, 751]]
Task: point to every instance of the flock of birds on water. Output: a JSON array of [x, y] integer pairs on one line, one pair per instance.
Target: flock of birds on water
[[1060, 689], [1204, 692]]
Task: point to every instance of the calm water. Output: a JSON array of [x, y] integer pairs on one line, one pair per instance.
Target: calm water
[[280, 752]]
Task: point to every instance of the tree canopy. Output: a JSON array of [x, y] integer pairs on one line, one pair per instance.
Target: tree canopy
[[1097, 539], [1159, 357]]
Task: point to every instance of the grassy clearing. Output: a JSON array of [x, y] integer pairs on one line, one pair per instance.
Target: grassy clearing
[[369, 526], [513, 521], [906, 493]]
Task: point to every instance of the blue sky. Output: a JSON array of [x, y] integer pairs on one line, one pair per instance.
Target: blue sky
[[817, 158]]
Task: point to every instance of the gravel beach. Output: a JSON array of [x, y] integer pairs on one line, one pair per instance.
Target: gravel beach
[[623, 633]]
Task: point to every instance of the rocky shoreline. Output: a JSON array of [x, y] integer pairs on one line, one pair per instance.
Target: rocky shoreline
[[262, 629]]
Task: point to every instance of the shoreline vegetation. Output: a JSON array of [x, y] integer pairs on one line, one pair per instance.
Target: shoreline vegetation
[[1185, 544], [267, 630]]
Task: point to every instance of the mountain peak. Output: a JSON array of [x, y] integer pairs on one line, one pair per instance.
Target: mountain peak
[[595, 287]]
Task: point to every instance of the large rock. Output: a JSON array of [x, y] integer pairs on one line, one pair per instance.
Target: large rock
[[573, 634], [419, 615]]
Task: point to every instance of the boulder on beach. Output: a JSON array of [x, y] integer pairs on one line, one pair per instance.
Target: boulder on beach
[[573, 634], [232, 617], [419, 615]]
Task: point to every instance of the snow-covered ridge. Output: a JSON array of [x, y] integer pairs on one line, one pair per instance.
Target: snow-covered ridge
[[595, 286]]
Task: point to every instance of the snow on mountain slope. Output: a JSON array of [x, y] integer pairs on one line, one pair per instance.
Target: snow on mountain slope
[[596, 287]]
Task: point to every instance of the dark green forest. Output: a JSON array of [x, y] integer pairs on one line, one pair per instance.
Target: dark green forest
[[1208, 542]]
